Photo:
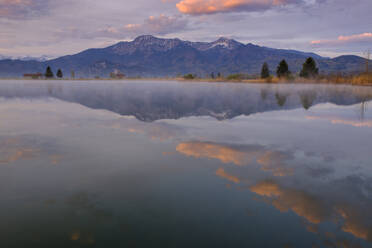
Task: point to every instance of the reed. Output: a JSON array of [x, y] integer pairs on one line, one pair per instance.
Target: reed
[[362, 79]]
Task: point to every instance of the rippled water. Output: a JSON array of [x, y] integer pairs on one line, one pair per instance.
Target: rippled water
[[167, 164]]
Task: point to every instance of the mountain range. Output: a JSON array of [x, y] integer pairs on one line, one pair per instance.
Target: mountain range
[[26, 58], [149, 56]]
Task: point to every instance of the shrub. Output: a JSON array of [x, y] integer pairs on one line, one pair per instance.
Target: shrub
[[237, 76], [189, 76]]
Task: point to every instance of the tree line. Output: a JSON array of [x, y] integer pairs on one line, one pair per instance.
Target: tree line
[[309, 69]]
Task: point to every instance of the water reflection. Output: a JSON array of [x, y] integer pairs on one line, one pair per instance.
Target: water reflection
[[315, 210], [23, 147], [281, 98], [307, 98], [269, 160], [151, 164], [363, 109], [150, 101], [300, 202], [325, 204], [221, 173]]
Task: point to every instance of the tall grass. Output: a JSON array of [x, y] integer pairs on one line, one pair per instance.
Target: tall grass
[[356, 79], [362, 79]]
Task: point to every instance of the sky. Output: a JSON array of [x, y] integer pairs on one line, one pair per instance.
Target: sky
[[54, 28]]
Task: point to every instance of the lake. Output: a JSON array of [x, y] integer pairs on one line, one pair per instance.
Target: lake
[[171, 164]]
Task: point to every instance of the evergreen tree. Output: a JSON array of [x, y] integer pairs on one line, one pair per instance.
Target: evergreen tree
[[212, 75], [49, 73], [265, 73], [309, 69], [283, 70], [59, 73]]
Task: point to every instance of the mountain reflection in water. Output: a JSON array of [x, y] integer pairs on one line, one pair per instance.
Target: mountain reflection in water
[[156, 164], [150, 101]]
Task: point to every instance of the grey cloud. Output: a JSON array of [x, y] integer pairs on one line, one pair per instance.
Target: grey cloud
[[157, 25], [23, 9]]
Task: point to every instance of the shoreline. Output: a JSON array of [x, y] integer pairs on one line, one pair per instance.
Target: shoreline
[[210, 80]]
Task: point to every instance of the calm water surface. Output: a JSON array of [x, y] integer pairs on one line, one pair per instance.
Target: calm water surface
[[167, 164]]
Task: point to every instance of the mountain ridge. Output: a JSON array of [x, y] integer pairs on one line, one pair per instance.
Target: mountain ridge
[[149, 56]]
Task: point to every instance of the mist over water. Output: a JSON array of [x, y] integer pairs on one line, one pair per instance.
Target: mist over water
[[168, 164]]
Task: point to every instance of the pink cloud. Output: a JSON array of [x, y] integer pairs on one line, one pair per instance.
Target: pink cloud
[[15, 2], [365, 37], [198, 7]]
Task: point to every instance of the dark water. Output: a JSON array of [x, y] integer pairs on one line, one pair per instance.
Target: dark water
[[156, 164]]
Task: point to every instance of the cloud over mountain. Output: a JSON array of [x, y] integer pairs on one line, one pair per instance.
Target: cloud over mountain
[[161, 25], [157, 25]]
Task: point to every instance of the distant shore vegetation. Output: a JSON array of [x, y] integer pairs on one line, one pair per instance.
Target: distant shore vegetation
[[308, 74], [281, 74]]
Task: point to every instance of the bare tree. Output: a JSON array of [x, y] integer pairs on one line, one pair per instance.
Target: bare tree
[[368, 57]]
